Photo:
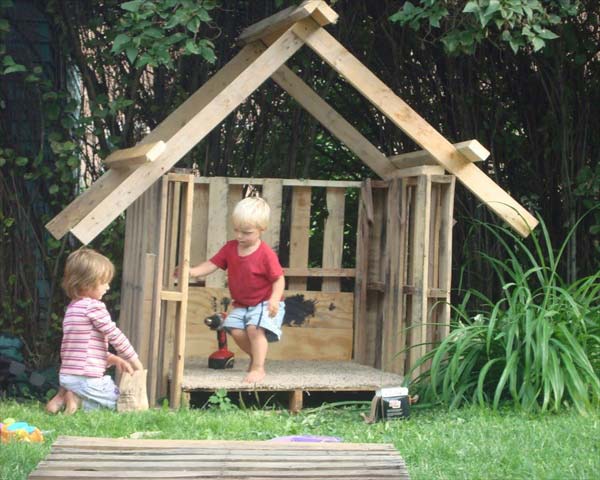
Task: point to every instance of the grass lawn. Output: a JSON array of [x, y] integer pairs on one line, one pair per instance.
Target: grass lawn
[[471, 443]]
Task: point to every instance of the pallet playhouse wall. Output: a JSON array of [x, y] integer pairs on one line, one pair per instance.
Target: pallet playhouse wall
[[373, 323]]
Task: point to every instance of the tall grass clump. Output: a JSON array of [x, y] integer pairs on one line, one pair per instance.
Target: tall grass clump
[[536, 347]]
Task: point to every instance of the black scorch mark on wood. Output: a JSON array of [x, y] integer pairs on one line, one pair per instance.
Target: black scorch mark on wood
[[298, 310]]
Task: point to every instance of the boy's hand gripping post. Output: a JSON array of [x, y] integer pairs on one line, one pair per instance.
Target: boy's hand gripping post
[[222, 358]]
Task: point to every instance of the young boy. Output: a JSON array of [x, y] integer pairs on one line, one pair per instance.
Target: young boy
[[256, 283]]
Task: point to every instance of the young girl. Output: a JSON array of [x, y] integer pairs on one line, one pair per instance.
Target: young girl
[[87, 331]]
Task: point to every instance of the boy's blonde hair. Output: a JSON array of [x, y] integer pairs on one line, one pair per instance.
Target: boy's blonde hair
[[253, 211], [85, 270]]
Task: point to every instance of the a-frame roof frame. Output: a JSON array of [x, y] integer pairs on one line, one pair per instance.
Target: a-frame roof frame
[[273, 41]]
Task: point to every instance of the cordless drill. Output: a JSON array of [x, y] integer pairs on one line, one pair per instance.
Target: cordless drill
[[222, 358]]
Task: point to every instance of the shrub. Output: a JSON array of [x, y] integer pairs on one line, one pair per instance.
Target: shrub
[[537, 347]]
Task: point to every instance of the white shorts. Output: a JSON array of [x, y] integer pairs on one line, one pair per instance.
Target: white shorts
[[258, 315], [94, 392]]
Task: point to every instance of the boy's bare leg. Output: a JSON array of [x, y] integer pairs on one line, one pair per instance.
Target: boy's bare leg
[[259, 346], [57, 402], [72, 403], [241, 339]]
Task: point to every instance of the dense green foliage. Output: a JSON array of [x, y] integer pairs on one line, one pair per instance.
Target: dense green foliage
[[464, 443], [521, 76], [537, 347]]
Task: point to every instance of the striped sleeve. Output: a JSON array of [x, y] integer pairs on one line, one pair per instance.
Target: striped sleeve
[[103, 323]]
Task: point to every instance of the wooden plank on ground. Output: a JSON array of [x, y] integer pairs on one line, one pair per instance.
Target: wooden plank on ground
[[299, 233], [404, 117], [333, 236], [96, 209], [74, 458]]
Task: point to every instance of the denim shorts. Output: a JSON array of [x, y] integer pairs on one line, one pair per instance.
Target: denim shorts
[[94, 392], [258, 315]]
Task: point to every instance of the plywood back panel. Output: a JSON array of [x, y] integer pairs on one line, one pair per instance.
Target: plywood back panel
[[317, 325]]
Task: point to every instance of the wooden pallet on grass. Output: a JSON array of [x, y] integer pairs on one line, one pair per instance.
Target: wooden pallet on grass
[[82, 458]]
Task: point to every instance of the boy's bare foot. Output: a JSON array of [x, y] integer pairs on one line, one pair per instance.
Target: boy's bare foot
[[72, 403], [255, 375], [56, 403]]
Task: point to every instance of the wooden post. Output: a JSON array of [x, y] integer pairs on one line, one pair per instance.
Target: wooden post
[[185, 238], [419, 269], [363, 233]]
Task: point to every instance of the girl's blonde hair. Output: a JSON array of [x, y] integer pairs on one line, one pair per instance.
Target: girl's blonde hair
[[85, 270], [253, 211]]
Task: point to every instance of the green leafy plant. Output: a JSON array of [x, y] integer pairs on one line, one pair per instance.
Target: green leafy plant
[[221, 401], [520, 23], [537, 346]]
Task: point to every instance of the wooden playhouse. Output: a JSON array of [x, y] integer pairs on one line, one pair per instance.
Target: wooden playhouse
[[399, 303]]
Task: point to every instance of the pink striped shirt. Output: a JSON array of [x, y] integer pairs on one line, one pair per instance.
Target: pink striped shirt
[[87, 331]]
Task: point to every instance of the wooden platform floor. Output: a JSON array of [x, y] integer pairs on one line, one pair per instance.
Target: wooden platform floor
[[291, 376], [83, 458]]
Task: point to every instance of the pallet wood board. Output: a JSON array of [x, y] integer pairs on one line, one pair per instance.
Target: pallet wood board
[[76, 458], [317, 326]]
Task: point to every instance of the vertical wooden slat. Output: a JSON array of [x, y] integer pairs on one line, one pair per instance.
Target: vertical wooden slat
[[363, 233], [333, 236], [394, 326], [218, 217], [234, 195], [199, 224], [420, 271], [299, 235], [169, 310], [375, 276], [445, 268], [272, 192], [144, 321], [185, 236], [154, 360]]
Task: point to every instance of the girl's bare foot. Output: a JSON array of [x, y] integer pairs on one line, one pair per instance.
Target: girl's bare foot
[[255, 375], [57, 402], [72, 403]]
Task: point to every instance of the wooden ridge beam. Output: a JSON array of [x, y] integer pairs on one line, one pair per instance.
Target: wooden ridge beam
[[92, 211], [322, 13], [472, 150], [405, 118], [312, 102], [135, 156]]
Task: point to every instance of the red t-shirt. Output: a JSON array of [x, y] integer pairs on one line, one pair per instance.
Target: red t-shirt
[[250, 278]]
